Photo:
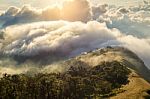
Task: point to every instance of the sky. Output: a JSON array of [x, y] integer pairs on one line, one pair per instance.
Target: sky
[[4, 4]]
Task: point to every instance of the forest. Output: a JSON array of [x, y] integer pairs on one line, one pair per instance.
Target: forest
[[77, 82]]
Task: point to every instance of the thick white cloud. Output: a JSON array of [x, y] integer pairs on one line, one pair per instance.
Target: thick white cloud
[[133, 20], [127, 27], [75, 10], [59, 36], [67, 39]]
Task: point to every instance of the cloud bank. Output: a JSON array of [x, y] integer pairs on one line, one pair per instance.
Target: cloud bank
[[133, 20], [39, 37], [67, 39], [70, 11]]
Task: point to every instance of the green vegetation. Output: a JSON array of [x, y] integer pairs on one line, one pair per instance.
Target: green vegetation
[[77, 83]]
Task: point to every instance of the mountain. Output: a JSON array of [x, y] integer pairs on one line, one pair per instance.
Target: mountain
[[121, 54], [112, 72], [139, 78]]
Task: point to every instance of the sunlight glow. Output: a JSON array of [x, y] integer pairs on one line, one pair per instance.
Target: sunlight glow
[[68, 10]]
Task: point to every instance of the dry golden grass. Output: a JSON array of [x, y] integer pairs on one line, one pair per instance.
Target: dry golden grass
[[136, 89]]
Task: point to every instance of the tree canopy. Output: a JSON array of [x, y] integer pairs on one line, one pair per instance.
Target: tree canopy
[[77, 83]]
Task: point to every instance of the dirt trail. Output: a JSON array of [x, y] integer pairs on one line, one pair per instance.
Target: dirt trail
[[136, 89]]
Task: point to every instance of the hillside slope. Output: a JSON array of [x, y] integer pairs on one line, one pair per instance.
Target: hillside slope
[[114, 73], [137, 88], [123, 55]]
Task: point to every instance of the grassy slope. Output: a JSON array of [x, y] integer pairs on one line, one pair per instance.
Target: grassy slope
[[136, 89]]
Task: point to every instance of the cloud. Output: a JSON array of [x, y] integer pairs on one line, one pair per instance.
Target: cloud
[[79, 10], [60, 37], [44, 41], [67, 39], [98, 10], [83, 10], [70, 11], [15, 15], [133, 20]]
